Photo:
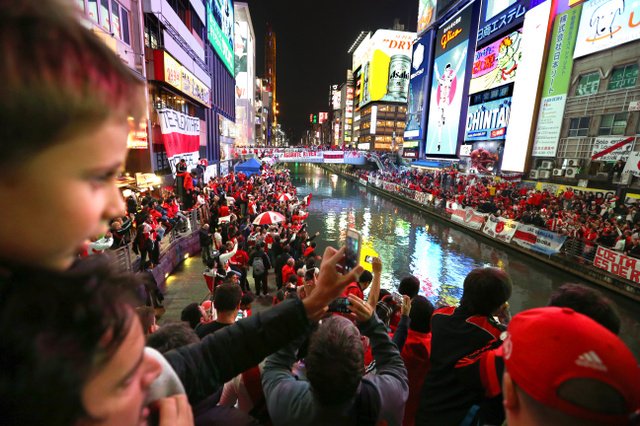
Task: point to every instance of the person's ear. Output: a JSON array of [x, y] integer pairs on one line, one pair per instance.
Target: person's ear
[[509, 394]]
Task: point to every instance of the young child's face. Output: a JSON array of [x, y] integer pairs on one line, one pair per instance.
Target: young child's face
[[63, 197]]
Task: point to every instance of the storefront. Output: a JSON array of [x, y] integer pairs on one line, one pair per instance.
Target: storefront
[[179, 102]]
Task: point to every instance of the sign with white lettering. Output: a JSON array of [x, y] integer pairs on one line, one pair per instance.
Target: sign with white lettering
[[617, 264], [488, 121]]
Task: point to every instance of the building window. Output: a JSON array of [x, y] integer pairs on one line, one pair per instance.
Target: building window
[[104, 15], [578, 126], [111, 16], [124, 18], [623, 77], [93, 9], [613, 124], [151, 32], [588, 84]]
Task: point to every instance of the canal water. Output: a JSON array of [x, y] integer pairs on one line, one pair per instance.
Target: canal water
[[410, 242]]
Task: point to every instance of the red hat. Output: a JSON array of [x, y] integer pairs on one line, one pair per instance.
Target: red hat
[[546, 347]]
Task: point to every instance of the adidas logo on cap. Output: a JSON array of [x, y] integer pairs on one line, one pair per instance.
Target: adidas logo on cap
[[591, 360]]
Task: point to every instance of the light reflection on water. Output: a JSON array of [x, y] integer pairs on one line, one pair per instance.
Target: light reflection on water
[[409, 242]]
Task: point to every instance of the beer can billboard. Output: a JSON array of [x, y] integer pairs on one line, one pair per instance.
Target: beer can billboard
[[385, 73]]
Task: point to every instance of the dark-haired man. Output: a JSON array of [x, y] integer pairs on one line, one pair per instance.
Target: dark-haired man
[[459, 336], [226, 301], [336, 390]]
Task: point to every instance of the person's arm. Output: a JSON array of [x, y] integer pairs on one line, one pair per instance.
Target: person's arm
[[229, 394], [226, 256], [374, 291], [402, 331]]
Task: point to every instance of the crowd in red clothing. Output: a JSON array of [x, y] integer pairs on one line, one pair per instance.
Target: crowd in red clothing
[[588, 217]]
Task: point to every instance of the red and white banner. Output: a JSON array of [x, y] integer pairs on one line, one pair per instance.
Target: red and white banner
[[295, 156], [617, 264], [468, 217], [180, 132], [500, 228], [335, 157]]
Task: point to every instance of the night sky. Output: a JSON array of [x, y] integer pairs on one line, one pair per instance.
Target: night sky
[[312, 41]]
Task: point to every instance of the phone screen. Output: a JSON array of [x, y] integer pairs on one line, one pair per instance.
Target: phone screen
[[339, 305], [352, 250]]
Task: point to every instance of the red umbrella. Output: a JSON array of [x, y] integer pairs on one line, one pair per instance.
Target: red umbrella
[[285, 196], [268, 218]]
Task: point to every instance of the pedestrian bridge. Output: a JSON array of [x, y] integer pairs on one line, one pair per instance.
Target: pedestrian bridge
[[354, 157]]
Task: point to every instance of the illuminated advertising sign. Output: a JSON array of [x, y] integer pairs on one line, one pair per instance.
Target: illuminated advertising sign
[[606, 24], [418, 88], [385, 76], [426, 14], [243, 53], [493, 7], [220, 22], [509, 18], [488, 121], [335, 97], [497, 63], [526, 88], [171, 72], [322, 117], [556, 83], [360, 55], [447, 84]]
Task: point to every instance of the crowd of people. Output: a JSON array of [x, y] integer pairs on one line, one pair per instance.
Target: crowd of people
[[589, 218], [76, 336]]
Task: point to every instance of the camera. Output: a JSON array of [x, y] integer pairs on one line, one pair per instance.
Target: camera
[[340, 305], [397, 297]]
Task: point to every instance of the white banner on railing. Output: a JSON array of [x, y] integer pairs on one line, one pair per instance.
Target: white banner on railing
[[468, 217], [617, 263], [362, 181], [500, 228], [537, 239]]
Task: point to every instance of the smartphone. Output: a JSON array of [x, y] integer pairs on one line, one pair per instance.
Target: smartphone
[[397, 297], [340, 305], [352, 252]]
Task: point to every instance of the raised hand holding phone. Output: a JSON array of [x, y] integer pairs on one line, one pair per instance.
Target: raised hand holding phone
[[330, 283], [353, 245]]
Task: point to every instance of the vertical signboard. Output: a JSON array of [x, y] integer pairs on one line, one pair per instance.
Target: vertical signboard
[[447, 84], [500, 18], [426, 14], [606, 24], [220, 22], [556, 83], [534, 35], [418, 89]]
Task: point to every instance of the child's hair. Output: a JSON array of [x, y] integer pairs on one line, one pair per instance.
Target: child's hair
[[57, 70]]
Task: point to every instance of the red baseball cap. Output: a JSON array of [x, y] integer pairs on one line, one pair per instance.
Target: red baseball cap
[[548, 347]]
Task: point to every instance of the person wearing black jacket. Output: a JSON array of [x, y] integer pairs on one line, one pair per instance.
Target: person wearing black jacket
[[260, 279], [459, 335]]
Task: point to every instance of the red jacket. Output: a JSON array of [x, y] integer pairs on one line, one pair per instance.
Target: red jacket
[[287, 271], [415, 354]]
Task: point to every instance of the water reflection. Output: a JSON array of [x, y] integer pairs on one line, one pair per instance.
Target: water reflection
[[441, 256]]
